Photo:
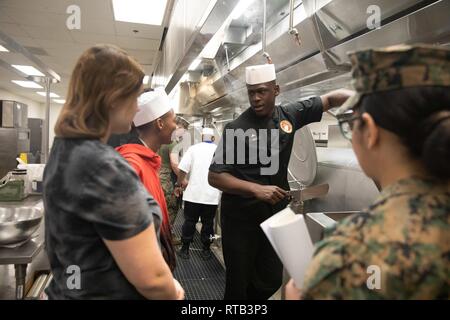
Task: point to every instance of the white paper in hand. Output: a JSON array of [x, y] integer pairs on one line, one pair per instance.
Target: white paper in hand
[[289, 236]]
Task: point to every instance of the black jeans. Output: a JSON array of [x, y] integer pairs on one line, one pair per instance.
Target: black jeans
[[253, 269], [192, 211]]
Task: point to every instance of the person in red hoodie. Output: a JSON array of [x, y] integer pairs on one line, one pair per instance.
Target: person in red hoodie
[[154, 122]]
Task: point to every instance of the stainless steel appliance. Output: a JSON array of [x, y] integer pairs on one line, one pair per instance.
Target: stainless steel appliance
[[14, 133], [317, 222], [327, 31], [13, 114], [7, 114], [35, 126], [13, 141]]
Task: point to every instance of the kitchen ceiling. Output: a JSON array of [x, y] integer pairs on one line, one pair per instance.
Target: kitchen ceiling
[[40, 26]]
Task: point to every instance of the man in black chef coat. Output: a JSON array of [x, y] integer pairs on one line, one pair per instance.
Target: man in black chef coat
[[250, 167]]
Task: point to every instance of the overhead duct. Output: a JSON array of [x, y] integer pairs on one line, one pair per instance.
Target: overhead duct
[[326, 36]]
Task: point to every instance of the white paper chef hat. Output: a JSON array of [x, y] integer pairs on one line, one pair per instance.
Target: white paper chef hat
[[260, 74], [207, 134], [207, 131], [151, 105]]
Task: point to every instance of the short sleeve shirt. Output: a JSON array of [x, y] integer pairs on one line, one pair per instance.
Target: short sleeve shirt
[[91, 193], [196, 161], [260, 151]]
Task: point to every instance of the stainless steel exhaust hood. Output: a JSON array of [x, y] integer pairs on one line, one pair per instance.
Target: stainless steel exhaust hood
[[326, 35]]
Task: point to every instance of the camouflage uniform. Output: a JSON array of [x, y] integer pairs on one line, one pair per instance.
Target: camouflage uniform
[[171, 200], [166, 181], [406, 232], [397, 67]]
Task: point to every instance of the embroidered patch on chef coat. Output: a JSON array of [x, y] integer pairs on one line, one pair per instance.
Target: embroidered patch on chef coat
[[286, 126]]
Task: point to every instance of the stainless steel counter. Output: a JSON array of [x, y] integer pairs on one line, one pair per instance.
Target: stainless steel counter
[[317, 222], [30, 201]]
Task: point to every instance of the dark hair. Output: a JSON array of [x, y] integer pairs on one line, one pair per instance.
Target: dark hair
[[145, 127], [117, 140], [420, 116]]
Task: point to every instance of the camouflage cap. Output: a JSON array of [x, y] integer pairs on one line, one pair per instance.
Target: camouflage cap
[[397, 67]]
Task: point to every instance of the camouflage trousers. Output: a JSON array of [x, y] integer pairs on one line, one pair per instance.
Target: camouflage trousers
[[171, 199]]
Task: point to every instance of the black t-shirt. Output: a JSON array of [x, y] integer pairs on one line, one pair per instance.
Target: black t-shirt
[[281, 127], [91, 193]]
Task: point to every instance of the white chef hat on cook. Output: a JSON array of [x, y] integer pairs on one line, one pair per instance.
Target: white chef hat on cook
[[207, 132], [151, 105], [260, 74]]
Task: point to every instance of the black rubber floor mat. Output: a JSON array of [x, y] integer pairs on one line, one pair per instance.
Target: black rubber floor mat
[[201, 280]]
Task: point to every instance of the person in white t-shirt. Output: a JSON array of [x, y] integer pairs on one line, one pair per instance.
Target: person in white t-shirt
[[200, 199]]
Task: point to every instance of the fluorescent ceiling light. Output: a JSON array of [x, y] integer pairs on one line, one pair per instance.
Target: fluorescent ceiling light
[[28, 70], [3, 49], [140, 11], [44, 94], [194, 64], [27, 84], [145, 80], [60, 101]]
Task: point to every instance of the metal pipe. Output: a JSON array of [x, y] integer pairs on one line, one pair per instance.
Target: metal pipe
[[291, 15], [215, 127], [263, 36], [17, 48], [220, 121], [226, 55], [293, 31], [45, 127]]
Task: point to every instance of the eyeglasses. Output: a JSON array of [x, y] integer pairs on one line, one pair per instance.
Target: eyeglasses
[[346, 125]]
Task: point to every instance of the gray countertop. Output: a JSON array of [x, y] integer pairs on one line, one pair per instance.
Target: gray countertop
[[29, 201], [25, 253]]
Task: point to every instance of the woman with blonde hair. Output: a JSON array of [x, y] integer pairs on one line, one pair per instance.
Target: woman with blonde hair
[[101, 224]]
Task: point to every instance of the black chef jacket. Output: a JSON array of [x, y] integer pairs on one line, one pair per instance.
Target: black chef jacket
[[291, 116]]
